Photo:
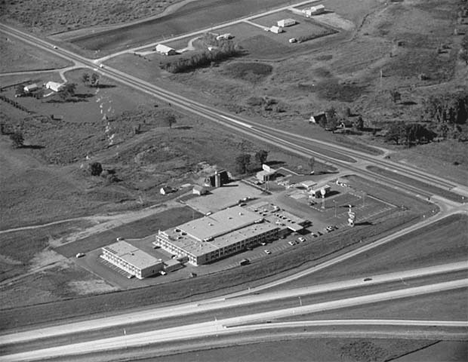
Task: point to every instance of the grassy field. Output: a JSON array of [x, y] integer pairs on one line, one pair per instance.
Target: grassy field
[[44, 16], [184, 21], [419, 249], [133, 230], [445, 306], [320, 349], [422, 185], [16, 57]]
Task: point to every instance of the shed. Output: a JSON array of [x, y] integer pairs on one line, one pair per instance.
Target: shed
[[166, 190], [31, 87], [276, 29], [286, 22], [165, 50], [315, 10], [199, 190], [54, 86], [308, 184]]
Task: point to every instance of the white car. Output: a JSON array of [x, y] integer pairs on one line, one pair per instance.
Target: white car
[[268, 252], [301, 239], [80, 255]]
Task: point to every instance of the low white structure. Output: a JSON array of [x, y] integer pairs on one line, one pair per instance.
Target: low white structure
[[276, 29], [321, 191], [199, 190], [54, 86], [131, 260], [31, 87], [314, 10], [165, 50], [286, 22], [166, 190], [226, 36]]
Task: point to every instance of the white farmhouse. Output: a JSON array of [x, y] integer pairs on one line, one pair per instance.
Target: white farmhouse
[[54, 86], [276, 29]]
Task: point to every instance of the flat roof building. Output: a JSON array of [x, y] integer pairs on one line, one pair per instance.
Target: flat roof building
[[216, 236], [131, 260]]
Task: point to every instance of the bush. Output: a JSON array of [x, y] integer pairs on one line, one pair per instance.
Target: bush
[[95, 169]]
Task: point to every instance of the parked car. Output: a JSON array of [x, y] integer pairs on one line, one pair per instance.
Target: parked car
[[244, 262], [80, 255], [301, 239], [268, 252], [291, 243]]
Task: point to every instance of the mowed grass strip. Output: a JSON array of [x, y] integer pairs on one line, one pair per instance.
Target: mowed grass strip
[[419, 184], [445, 241]]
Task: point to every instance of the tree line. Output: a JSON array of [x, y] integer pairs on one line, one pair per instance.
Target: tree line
[[202, 59]]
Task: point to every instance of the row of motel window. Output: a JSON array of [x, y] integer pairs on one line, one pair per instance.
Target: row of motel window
[[121, 263], [167, 245]]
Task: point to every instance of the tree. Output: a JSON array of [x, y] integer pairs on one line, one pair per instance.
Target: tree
[[464, 56], [170, 119], [311, 163], [85, 78], [67, 91], [359, 124], [396, 132], [17, 138], [395, 95], [19, 90], [331, 119], [94, 80], [261, 156], [242, 163], [95, 169]]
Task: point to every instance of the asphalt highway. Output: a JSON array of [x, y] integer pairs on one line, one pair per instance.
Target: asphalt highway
[[231, 325]]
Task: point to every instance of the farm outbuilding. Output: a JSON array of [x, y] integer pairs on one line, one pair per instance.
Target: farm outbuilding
[[286, 22], [314, 10], [199, 190], [166, 190], [31, 87], [165, 50], [54, 86]]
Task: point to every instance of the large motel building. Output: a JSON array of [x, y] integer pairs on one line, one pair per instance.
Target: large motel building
[[219, 235], [131, 260]]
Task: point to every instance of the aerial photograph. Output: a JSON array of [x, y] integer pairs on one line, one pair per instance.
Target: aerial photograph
[[234, 180]]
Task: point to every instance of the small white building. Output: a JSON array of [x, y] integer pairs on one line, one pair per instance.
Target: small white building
[[286, 22], [226, 36], [166, 190], [308, 184], [199, 190], [276, 29], [321, 191], [165, 50], [30, 87], [314, 10], [54, 86]]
